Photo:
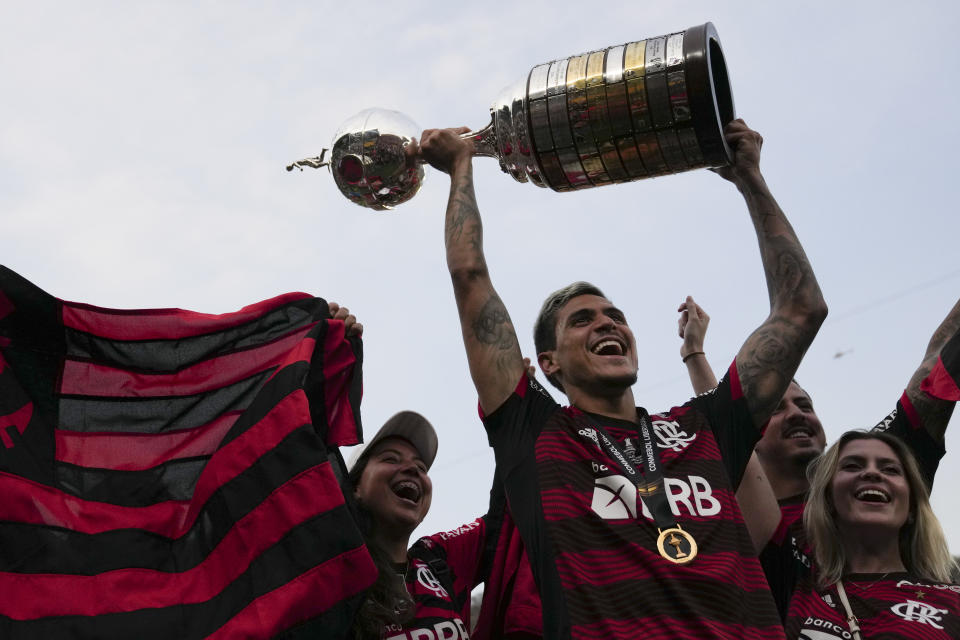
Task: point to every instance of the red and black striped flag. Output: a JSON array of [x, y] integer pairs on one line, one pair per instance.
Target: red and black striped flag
[[170, 474]]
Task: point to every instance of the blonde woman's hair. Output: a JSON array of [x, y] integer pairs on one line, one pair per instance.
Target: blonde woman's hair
[[923, 547]]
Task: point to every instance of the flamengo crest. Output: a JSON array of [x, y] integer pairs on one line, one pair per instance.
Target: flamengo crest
[[919, 612], [671, 436], [426, 578]]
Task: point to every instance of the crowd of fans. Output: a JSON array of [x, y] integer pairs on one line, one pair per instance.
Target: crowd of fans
[[726, 516]]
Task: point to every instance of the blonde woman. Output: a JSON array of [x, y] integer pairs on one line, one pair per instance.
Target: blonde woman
[[880, 565]]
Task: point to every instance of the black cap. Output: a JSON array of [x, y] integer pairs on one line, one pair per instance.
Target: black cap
[[412, 427]]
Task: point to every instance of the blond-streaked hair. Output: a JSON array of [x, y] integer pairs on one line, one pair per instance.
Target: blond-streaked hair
[[923, 547]]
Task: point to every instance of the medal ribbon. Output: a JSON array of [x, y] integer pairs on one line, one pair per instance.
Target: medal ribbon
[[648, 480]]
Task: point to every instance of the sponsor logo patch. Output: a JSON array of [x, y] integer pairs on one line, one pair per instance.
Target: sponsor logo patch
[[444, 630], [922, 585], [470, 526], [615, 498], [823, 630]]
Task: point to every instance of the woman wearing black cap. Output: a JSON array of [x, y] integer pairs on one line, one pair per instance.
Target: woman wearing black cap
[[427, 587], [422, 591]]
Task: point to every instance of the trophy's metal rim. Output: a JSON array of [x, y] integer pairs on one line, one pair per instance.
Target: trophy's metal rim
[[701, 45]]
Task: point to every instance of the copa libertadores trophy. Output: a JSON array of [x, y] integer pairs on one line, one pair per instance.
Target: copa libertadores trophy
[[647, 108]]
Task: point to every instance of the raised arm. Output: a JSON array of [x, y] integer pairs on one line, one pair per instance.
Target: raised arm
[[934, 413], [488, 334], [769, 358], [692, 327], [758, 503]]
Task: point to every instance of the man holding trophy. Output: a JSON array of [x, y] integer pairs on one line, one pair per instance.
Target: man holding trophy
[[627, 538]]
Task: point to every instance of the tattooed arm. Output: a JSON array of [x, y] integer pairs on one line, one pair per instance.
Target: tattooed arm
[[770, 356], [493, 351], [934, 413]]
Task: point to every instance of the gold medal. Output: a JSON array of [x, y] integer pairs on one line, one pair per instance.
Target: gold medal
[[676, 545]]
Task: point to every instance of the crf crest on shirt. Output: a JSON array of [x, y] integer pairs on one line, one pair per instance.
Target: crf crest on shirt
[[442, 570], [670, 435], [437, 614], [892, 607]]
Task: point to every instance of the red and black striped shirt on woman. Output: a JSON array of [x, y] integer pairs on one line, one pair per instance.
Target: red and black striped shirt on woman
[[891, 606]]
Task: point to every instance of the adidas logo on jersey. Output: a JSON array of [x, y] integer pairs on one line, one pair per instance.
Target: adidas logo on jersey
[[590, 433], [615, 498]]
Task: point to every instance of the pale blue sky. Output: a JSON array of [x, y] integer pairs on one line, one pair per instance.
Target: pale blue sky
[[143, 145]]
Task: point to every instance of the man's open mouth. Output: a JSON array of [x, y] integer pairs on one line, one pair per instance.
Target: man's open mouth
[[608, 348], [801, 431]]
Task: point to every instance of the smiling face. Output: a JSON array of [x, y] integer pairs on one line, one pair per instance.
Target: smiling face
[[794, 435], [870, 488], [394, 486], [595, 351]]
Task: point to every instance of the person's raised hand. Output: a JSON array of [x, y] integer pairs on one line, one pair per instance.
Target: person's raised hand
[[746, 144], [445, 149], [350, 324], [692, 327]]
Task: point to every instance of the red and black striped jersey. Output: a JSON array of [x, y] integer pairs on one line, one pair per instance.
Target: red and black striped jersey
[[442, 571], [893, 606], [787, 557], [591, 540], [511, 608]]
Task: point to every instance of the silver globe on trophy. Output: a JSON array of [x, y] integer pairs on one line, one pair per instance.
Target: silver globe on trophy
[[642, 109]]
